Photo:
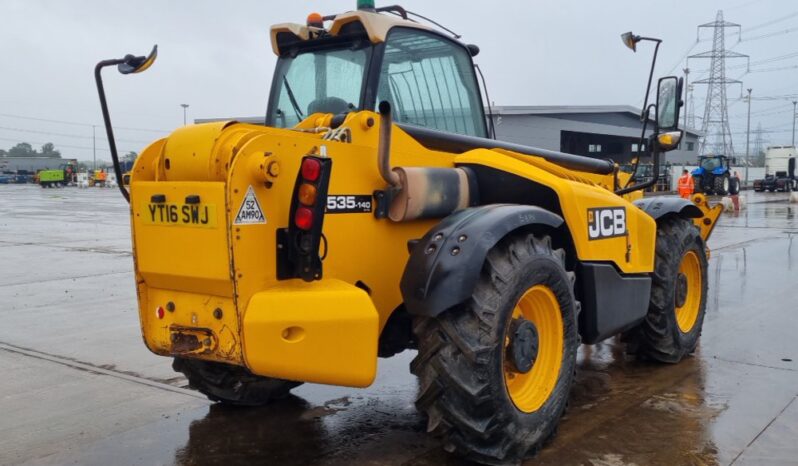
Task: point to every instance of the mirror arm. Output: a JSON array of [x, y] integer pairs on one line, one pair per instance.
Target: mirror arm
[[107, 120], [127, 65]]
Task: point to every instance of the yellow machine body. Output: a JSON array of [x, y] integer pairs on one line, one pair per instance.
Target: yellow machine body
[[207, 284]]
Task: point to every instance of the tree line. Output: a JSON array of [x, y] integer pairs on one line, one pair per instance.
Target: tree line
[[23, 149]]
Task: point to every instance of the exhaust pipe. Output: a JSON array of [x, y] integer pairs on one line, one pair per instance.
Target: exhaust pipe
[[420, 192], [384, 147]]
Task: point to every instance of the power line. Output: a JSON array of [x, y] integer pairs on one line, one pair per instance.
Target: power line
[[684, 55], [771, 34], [60, 146], [73, 123], [64, 135], [764, 113], [771, 22], [764, 61], [770, 70]]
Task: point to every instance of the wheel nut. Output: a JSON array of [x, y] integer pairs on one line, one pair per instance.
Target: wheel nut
[[455, 251]]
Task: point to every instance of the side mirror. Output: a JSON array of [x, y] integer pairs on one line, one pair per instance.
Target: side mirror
[[630, 40], [669, 102], [133, 64]]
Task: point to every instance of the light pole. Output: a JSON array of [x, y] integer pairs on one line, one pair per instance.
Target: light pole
[[793, 121], [748, 139], [185, 106], [687, 93], [94, 146]]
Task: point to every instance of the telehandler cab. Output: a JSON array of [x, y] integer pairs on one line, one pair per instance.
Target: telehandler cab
[[374, 213]]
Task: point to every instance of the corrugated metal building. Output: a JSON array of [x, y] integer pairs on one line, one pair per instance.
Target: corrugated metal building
[[604, 131], [31, 164]]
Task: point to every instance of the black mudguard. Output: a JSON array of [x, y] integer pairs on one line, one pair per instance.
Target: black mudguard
[[659, 206], [445, 264]]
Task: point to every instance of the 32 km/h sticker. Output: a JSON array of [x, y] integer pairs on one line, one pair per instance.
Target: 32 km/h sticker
[[349, 204]]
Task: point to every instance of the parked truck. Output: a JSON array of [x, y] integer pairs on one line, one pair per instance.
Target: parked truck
[[779, 170], [61, 176]]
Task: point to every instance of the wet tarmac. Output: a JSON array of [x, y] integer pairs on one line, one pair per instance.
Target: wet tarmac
[[79, 387]]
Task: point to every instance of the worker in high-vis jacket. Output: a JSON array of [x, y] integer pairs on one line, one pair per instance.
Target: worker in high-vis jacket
[[686, 185]]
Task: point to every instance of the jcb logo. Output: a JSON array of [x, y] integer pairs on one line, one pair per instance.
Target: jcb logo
[[606, 222]]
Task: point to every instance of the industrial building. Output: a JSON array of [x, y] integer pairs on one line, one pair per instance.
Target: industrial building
[[602, 131], [31, 164]]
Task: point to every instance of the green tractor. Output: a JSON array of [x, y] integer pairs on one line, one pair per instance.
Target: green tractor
[[58, 177]]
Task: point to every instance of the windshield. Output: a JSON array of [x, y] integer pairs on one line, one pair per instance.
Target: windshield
[[710, 163], [430, 82], [327, 81]]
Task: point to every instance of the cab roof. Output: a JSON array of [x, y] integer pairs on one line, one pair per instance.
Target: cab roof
[[376, 26]]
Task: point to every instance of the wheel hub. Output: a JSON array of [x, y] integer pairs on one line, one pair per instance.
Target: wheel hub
[[681, 289], [523, 348]]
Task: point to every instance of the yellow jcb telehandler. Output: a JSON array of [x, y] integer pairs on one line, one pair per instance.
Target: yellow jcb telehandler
[[374, 211]]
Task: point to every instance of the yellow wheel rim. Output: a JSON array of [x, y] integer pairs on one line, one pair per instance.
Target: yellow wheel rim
[[687, 313], [530, 390]]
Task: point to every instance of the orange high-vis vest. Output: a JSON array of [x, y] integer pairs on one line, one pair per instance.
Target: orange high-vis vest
[[686, 186]]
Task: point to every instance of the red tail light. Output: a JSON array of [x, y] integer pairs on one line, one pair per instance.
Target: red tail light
[[311, 169], [304, 218]]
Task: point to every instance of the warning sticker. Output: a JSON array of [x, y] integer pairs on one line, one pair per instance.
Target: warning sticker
[[250, 212]]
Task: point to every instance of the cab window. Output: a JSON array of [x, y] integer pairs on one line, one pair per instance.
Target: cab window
[[327, 81], [429, 81]]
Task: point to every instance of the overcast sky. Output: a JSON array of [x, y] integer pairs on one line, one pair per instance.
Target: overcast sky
[[216, 57]]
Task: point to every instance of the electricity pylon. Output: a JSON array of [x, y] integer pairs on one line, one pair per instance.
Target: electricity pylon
[[716, 111]]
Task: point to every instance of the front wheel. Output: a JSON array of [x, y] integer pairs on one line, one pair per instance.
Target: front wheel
[[496, 370], [721, 184], [698, 185], [231, 384], [676, 309]]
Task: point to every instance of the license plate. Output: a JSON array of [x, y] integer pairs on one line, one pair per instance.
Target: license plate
[[190, 215]]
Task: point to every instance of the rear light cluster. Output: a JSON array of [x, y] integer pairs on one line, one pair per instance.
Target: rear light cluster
[[299, 256], [307, 193]]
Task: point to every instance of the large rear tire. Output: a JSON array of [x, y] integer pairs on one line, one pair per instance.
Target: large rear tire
[[734, 186], [495, 371], [676, 310], [231, 384]]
